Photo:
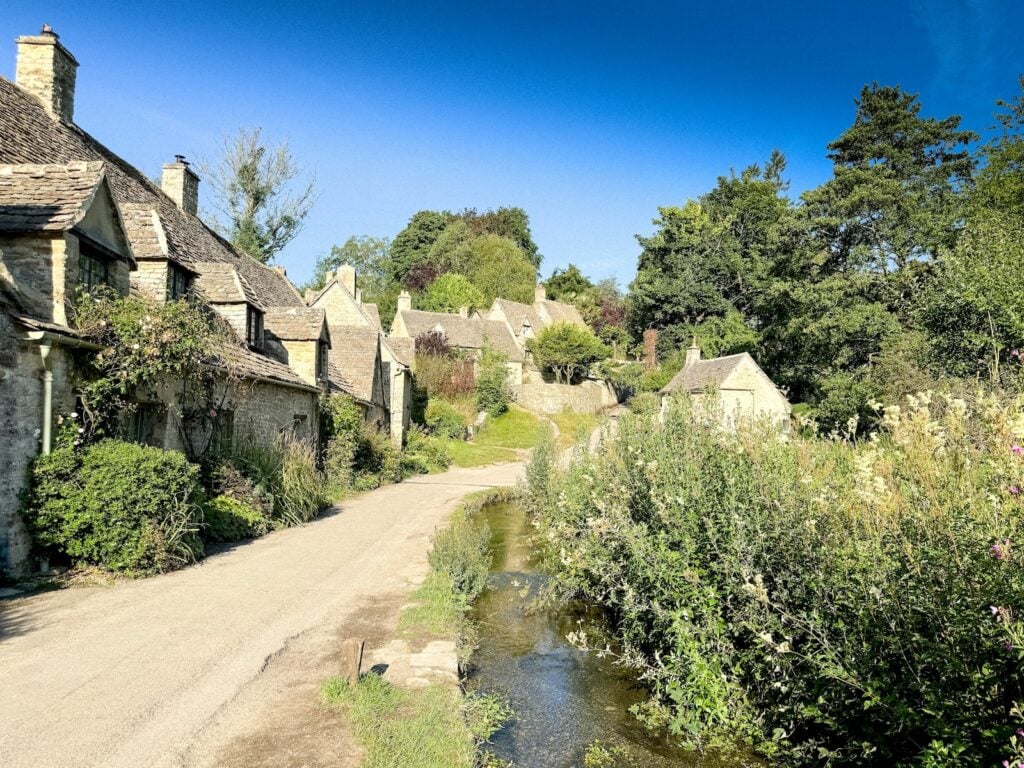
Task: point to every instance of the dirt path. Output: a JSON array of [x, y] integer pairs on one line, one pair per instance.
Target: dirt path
[[219, 664]]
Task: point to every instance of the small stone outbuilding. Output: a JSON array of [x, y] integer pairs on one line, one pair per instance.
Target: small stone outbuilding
[[733, 387]]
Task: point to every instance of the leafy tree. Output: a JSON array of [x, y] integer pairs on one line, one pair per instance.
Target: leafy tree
[[568, 285], [412, 245], [451, 250], [498, 267], [566, 351], [894, 197], [510, 222], [974, 311], [450, 293], [254, 186], [1000, 183], [369, 255]]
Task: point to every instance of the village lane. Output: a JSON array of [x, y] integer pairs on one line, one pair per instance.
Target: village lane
[[173, 670]]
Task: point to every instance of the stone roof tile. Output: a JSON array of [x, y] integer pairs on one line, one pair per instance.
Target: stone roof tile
[[50, 197], [698, 376], [464, 332], [354, 351], [296, 323]]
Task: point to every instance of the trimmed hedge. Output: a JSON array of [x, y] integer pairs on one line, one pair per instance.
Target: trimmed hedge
[[227, 519]]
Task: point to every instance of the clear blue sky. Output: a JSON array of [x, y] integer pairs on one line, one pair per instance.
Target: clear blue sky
[[588, 115]]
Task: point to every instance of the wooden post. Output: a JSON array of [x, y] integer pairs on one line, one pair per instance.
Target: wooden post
[[351, 659]]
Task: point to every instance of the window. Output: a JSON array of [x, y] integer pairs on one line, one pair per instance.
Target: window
[[141, 423], [93, 268], [222, 439], [300, 424], [321, 361], [177, 282], [254, 328]]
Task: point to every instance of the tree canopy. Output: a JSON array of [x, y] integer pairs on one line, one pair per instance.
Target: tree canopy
[[566, 351]]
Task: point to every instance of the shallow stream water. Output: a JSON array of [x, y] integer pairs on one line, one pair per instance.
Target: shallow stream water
[[564, 698]]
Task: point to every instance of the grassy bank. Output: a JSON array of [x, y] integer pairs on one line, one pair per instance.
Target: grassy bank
[[838, 602], [435, 726], [499, 439]]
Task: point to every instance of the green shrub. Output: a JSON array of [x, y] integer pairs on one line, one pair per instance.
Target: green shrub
[[342, 421], [461, 551], [645, 403], [225, 518], [285, 473], [443, 419], [116, 505], [430, 451], [842, 603], [493, 394], [365, 481]]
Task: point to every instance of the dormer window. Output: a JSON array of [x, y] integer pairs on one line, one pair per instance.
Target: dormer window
[[253, 328], [178, 282], [93, 267]]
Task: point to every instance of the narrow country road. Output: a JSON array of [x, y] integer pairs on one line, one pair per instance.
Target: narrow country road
[[219, 664]]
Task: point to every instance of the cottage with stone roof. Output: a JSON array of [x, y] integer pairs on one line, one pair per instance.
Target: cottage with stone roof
[[73, 214], [469, 334], [733, 388], [525, 321], [376, 371]]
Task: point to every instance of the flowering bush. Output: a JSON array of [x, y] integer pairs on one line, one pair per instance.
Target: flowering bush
[[828, 600]]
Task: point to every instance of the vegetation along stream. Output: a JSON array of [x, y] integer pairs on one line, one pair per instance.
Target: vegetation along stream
[[564, 699]]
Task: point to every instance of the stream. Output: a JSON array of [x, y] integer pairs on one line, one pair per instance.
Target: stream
[[564, 698]]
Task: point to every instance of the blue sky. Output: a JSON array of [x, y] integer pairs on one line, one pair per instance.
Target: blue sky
[[588, 115]]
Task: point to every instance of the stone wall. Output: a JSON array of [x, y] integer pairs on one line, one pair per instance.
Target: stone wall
[[21, 421], [591, 396], [150, 279]]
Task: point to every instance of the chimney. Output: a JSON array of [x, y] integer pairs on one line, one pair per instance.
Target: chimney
[[404, 301], [692, 352], [309, 296], [181, 184], [650, 349], [46, 69], [359, 295], [328, 276], [347, 277], [540, 293]]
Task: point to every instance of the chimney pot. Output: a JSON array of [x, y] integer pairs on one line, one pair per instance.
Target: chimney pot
[[180, 183], [47, 70]]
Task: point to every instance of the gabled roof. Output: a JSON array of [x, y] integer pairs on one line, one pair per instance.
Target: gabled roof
[[371, 311], [404, 349], [355, 354], [30, 135], [558, 312], [245, 362], [698, 376], [297, 323], [48, 198], [221, 283], [519, 314], [463, 332]]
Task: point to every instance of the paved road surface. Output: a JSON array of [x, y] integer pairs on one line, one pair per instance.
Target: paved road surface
[[218, 664]]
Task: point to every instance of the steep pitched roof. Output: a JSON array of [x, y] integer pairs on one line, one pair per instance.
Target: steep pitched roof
[[30, 135], [245, 362], [404, 349], [559, 312], [354, 352], [518, 314], [702, 374], [221, 283], [463, 332], [297, 323], [372, 312], [48, 197]]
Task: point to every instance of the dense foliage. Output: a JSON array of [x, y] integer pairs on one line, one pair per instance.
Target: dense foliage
[[226, 518], [831, 601], [120, 506], [492, 390], [450, 293], [895, 272], [566, 351]]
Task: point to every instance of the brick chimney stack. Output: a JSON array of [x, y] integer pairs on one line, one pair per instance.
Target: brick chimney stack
[[47, 70], [180, 183]]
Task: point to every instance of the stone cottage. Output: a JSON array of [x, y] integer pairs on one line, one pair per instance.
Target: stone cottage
[[525, 321], [733, 387], [471, 335], [74, 214], [373, 369]]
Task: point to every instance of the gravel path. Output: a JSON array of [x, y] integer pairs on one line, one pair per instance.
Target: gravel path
[[219, 664]]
